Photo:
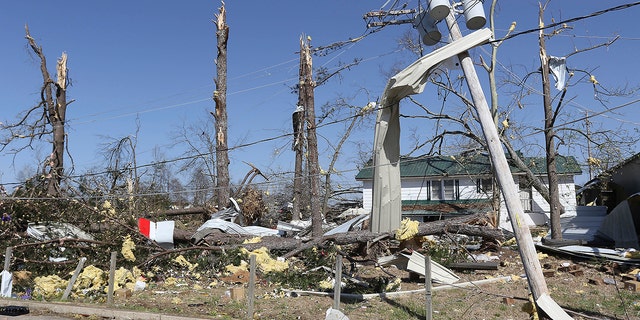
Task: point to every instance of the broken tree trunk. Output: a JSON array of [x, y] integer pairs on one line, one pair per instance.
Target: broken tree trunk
[[461, 225], [220, 115], [54, 106]]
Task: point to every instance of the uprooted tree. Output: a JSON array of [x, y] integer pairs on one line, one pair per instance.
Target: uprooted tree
[[46, 119]]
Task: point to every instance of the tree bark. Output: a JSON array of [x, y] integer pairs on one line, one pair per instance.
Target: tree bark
[[307, 86], [299, 140], [549, 136], [55, 109], [220, 115]]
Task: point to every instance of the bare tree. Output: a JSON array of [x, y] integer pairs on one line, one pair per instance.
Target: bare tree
[[122, 167], [356, 115], [46, 119], [549, 135], [200, 154], [200, 184], [220, 115]]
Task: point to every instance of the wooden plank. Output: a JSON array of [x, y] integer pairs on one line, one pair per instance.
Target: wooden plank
[[551, 308], [474, 265], [76, 273]]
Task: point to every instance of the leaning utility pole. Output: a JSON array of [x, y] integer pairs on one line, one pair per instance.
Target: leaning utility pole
[[306, 92], [549, 136], [527, 249], [220, 115], [386, 196]]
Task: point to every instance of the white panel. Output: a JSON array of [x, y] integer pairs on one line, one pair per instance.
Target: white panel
[[367, 195]]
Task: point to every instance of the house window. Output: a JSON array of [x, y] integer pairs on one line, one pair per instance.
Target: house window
[[526, 196], [484, 185], [436, 190], [445, 189]]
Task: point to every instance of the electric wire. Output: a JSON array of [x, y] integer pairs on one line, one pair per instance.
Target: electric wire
[[560, 23], [333, 122]]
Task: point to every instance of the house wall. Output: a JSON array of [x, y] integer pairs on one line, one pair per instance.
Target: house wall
[[567, 191], [416, 189], [540, 208]]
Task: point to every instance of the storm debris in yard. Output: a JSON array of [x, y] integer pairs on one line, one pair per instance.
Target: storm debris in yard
[[49, 286], [92, 278], [182, 261], [408, 229], [56, 230], [128, 246], [375, 265], [264, 261]]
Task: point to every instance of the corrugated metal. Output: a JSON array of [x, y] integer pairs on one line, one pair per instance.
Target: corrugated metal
[[584, 224]]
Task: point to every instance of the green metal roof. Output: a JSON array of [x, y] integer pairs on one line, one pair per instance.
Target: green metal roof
[[443, 166]]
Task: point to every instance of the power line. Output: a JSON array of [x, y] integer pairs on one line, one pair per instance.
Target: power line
[[283, 81], [553, 25]]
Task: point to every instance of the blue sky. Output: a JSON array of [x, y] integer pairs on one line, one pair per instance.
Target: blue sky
[[152, 63]]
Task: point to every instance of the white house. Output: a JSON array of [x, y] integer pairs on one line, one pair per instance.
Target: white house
[[436, 187]]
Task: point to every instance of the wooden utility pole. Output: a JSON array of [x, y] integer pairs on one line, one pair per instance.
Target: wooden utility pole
[[549, 136], [220, 115], [512, 200], [306, 91]]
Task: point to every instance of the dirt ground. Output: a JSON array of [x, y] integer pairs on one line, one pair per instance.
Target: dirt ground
[[587, 289]]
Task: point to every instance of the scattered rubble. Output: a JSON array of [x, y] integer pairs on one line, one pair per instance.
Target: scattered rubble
[[218, 253]]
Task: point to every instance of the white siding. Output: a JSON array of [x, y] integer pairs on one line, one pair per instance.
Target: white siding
[[367, 195], [469, 190], [416, 189], [540, 208], [567, 191]]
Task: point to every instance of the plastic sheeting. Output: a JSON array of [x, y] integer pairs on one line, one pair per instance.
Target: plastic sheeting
[[558, 67], [7, 284], [56, 230]]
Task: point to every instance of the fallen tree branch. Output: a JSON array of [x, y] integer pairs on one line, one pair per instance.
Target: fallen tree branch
[[222, 241]]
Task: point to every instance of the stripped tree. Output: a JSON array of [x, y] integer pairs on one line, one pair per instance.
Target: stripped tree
[[46, 119], [220, 114]]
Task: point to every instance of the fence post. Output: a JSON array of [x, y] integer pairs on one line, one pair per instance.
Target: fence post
[[112, 277], [7, 258], [252, 285], [338, 281], [74, 278], [427, 287]]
